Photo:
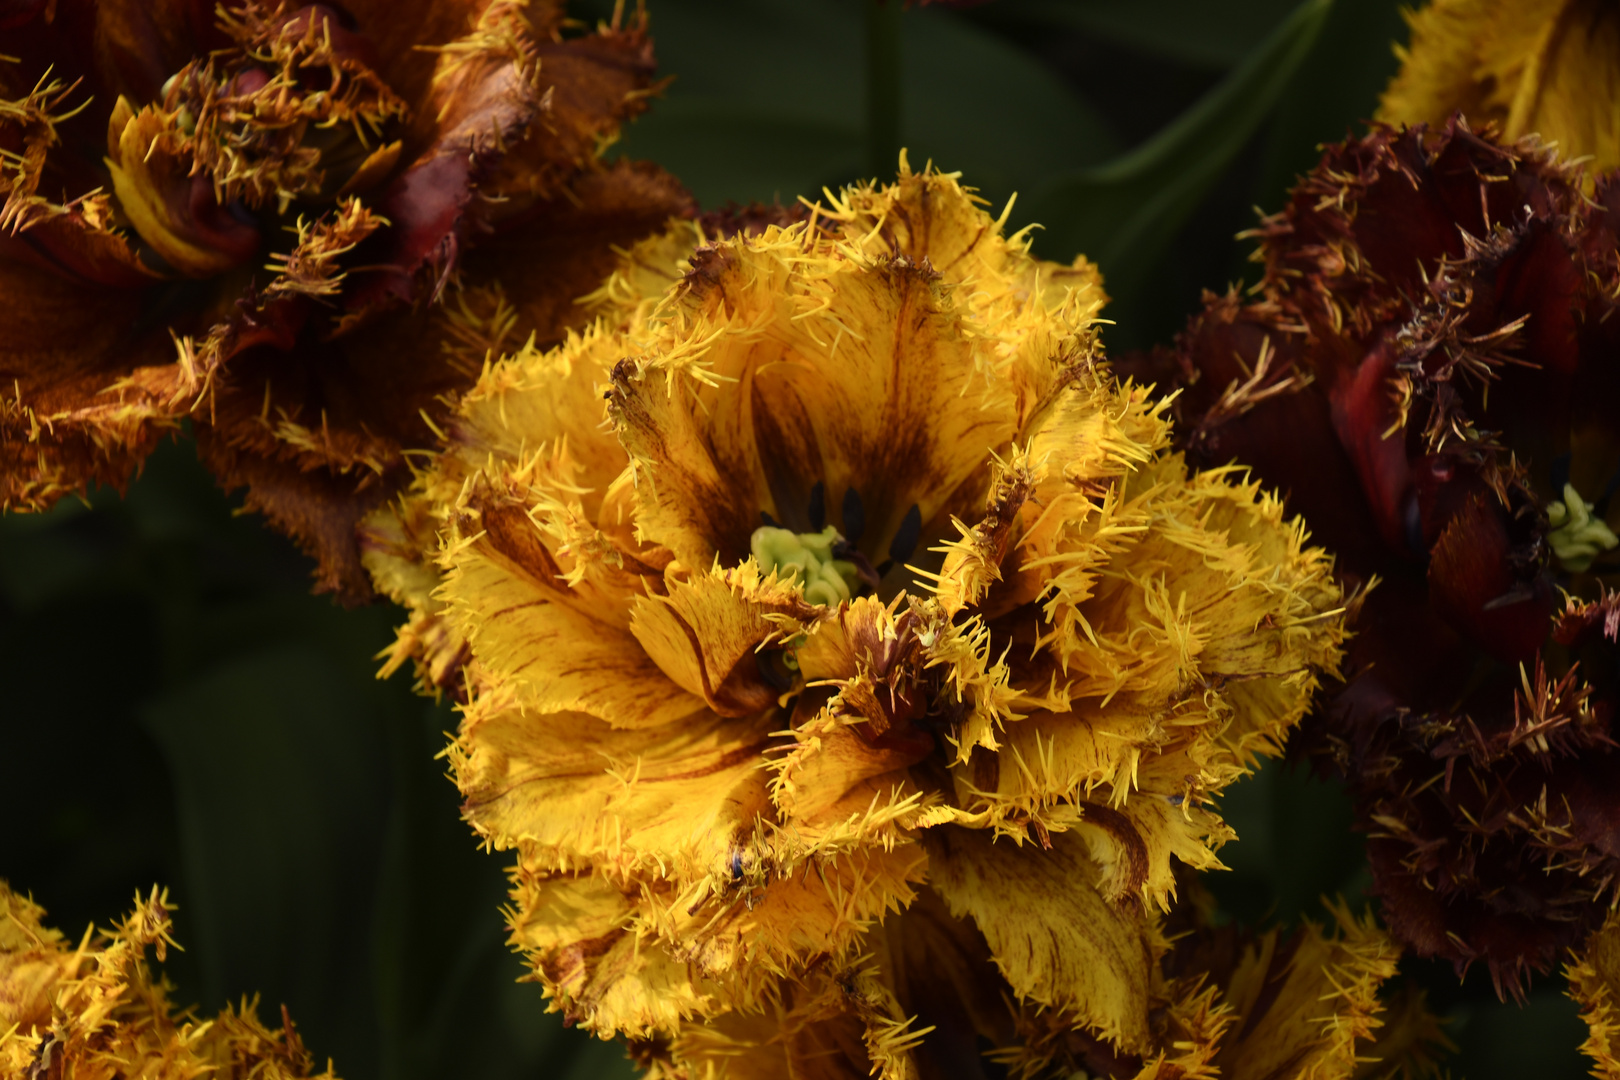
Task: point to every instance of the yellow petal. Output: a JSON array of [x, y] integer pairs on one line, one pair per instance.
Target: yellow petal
[[1057, 942], [96, 1010], [578, 933], [707, 634], [725, 421], [1302, 1005], [1545, 67], [151, 175], [679, 797], [1594, 983], [848, 770], [556, 648]]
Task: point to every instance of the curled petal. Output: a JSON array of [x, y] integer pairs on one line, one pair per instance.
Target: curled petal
[[1057, 945], [707, 634]]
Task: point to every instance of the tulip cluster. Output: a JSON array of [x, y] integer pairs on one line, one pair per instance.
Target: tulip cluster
[[850, 656]]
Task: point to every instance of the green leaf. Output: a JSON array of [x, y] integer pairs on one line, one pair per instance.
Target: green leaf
[[1335, 89], [279, 787], [724, 151], [1123, 214], [755, 112], [1194, 33]]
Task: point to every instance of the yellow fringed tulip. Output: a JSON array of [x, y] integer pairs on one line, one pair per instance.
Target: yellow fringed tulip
[[870, 576]]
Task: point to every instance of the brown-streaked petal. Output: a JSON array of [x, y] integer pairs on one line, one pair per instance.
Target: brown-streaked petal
[[578, 932], [529, 630], [821, 398], [742, 939], [842, 1024], [1057, 942], [944, 976], [706, 634], [1303, 1003]]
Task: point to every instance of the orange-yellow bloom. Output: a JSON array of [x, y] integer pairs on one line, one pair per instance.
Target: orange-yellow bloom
[[1544, 67], [873, 577], [96, 1011]]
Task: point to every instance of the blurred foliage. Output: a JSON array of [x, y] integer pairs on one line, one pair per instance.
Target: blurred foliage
[[180, 710]]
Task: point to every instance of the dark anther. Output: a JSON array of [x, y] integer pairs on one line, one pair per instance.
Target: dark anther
[[905, 541], [766, 519], [1600, 508], [774, 670], [854, 516], [1558, 474], [1412, 518], [818, 507]]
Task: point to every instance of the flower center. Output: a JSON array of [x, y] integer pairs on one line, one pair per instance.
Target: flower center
[[826, 580], [1577, 537]]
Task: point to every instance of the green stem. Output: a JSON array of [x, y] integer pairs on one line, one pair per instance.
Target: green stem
[[882, 87]]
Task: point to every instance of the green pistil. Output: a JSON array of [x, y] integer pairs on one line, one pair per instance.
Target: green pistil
[[808, 556], [1577, 537]]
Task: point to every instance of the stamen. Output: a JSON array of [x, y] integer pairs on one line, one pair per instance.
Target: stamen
[[809, 557], [1577, 537], [818, 507], [905, 540]]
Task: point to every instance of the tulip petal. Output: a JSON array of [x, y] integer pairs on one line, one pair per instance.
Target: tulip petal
[[1057, 942]]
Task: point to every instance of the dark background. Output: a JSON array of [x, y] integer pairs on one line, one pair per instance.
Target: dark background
[[179, 710]]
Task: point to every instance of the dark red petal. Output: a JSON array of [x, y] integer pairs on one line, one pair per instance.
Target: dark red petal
[[1473, 586]]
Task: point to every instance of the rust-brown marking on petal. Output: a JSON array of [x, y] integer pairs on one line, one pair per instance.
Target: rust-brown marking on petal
[[1133, 846], [509, 531]]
